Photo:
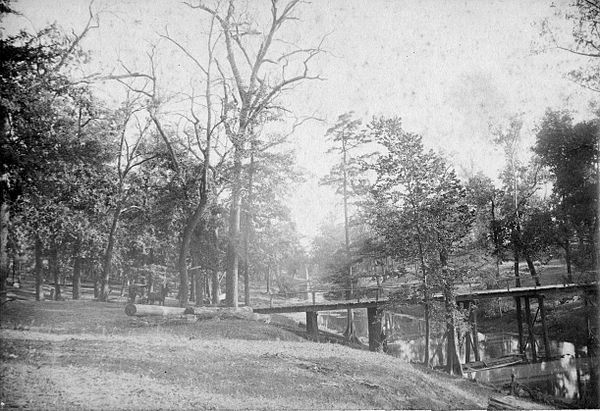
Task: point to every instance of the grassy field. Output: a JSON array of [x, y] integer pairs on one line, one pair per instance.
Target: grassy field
[[89, 355]]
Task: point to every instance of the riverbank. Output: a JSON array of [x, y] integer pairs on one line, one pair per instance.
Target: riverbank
[[566, 318], [74, 354]]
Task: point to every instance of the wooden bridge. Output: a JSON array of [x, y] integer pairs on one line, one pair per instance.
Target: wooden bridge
[[466, 299]]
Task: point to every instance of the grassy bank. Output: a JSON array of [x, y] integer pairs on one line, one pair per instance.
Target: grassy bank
[[74, 355]]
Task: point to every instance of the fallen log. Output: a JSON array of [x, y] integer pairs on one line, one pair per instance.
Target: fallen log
[[202, 313], [242, 313], [212, 310], [141, 310]]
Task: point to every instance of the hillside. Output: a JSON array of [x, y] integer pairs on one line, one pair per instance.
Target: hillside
[[75, 354]]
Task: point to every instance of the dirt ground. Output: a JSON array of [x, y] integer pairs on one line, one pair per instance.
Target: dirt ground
[[90, 355]]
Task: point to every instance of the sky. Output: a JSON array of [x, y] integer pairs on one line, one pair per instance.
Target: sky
[[449, 69]]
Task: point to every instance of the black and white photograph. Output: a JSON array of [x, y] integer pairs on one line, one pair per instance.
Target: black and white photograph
[[304, 205]]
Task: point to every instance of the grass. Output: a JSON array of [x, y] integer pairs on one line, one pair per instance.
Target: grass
[[82, 354]]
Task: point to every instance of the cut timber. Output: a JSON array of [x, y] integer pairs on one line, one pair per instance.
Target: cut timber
[[141, 310]]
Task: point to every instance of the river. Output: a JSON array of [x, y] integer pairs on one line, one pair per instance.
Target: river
[[572, 377]]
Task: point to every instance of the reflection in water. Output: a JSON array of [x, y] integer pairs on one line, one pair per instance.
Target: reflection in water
[[571, 377]]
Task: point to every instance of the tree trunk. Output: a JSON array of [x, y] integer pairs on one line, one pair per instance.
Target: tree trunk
[[307, 279], [496, 239], [77, 268], [567, 247], [193, 284], [350, 331], [427, 326], [425, 295], [216, 289], [349, 284], [532, 270], [55, 269], [38, 269], [231, 277], [248, 224], [246, 282], [268, 278], [199, 215], [108, 255], [200, 287], [516, 265], [453, 365], [4, 219]]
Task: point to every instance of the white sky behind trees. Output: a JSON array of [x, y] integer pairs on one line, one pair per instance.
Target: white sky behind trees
[[448, 68]]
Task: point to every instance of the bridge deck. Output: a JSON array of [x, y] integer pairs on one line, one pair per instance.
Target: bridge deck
[[532, 291]]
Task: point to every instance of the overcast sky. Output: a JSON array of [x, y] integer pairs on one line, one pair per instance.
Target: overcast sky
[[448, 68]]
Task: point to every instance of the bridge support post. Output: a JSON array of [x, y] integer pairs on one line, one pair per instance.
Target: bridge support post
[[544, 327], [520, 324], [530, 329], [468, 343], [312, 325], [376, 336], [475, 333], [471, 338]]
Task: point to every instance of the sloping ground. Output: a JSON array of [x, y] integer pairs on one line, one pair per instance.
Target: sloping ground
[[87, 355]]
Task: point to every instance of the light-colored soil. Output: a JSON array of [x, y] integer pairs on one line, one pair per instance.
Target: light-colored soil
[[89, 355]]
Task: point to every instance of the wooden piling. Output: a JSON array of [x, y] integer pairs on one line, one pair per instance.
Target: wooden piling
[[544, 327], [466, 306], [467, 347], [475, 333], [312, 325], [530, 329], [520, 324]]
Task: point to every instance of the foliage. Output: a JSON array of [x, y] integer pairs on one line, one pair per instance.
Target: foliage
[[570, 151]]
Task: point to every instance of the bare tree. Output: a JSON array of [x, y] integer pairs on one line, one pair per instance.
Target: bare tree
[[130, 156], [257, 72]]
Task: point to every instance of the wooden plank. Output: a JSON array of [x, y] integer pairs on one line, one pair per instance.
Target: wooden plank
[[317, 307], [522, 291]]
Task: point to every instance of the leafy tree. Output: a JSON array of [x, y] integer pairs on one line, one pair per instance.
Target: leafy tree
[[347, 176], [270, 178], [42, 114], [488, 231], [520, 184], [585, 42], [132, 151], [420, 207], [570, 151]]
